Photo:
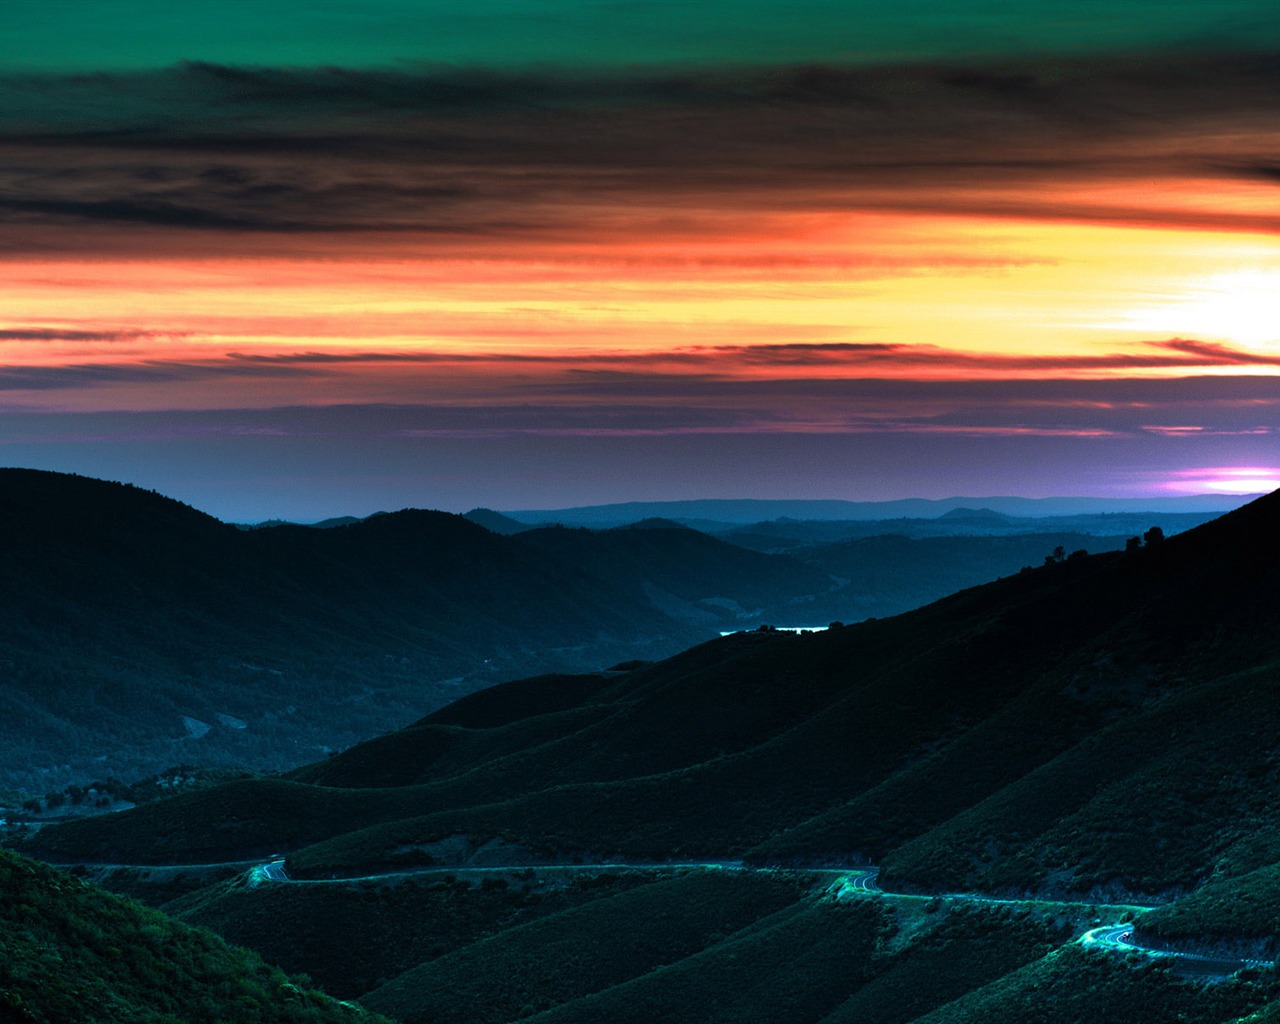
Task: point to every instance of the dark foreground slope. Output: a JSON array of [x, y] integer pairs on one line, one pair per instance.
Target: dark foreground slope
[[139, 633], [698, 946], [71, 953]]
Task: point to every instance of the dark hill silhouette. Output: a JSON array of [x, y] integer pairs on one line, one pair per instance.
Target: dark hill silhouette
[[496, 522], [742, 511], [327, 524], [140, 633], [976, 515], [653, 523], [687, 574]]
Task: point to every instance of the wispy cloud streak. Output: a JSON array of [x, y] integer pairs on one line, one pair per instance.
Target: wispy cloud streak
[[1182, 409], [875, 358], [76, 334], [674, 394]]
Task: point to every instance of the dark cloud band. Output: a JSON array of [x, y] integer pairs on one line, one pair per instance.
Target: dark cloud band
[[206, 148]]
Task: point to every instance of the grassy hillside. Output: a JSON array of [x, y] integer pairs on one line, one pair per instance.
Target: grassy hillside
[[1074, 984], [812, 959], [788, 967], [966, 948], [692, 945], [71, 953], [353, 938], [583, 950], [1239, 912]]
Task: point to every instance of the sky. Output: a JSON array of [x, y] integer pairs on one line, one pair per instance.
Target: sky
[[298, 260]]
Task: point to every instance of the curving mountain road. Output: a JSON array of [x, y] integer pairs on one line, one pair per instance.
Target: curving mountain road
[[847, 883], [1119, 938], [1112, 936], [863, 881], [274, 870]]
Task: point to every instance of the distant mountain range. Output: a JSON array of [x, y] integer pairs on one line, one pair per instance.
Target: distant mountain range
[[744, 510]]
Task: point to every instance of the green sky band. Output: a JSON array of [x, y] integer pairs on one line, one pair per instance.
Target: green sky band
[[121, 35]]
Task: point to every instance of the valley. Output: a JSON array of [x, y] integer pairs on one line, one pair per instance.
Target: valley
[[1062, 777]]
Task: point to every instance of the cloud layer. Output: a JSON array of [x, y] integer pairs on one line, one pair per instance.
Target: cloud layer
[[683, 393], [446, 153]]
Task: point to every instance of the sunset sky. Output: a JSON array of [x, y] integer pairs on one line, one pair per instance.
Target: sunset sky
[[323, 258]]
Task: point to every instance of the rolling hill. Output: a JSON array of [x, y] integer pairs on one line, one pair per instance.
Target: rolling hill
[[689, 575], [139, 633], [743, 511]]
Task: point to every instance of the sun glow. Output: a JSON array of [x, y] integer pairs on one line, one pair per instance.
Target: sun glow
[[1241, 306], [1228, 480]]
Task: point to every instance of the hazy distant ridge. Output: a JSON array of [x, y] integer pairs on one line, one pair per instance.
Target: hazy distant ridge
[[753, 510]]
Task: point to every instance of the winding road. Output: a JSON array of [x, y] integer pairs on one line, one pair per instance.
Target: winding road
[[274, 870], [847, 883], [1119, 938]]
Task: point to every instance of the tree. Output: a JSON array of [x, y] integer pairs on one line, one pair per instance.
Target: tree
[[1153, 536], [1133, 544]]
